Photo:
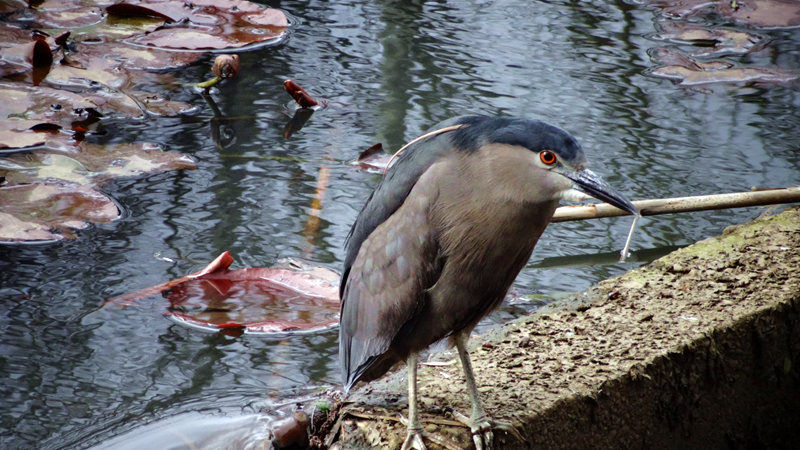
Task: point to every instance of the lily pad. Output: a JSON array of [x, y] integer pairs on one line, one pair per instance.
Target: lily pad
[[24, 108], [689, 72], [762, 13], [204, 24], [54, 189], [42, 212], [60, 14], [136, 58], [712, 41], [89, 72], [86, 164], [259, 300]]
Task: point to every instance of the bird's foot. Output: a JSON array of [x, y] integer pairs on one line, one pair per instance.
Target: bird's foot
[[415, 435], [482, 427], [414, 440]]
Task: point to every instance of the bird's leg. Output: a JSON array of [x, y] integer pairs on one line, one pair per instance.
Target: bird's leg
[[415, 430], [478, 422]]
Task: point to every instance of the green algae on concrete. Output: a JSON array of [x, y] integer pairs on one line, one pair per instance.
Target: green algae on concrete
[[698, 349]]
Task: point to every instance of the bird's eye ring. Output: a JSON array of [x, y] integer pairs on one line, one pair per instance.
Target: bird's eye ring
[[547, 157]]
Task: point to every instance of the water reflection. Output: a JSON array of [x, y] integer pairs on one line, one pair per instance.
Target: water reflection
[[75, 375]]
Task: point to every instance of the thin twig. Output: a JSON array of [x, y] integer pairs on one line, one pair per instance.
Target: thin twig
[[681, 204]]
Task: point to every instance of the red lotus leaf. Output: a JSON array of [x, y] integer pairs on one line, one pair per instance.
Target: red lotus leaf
[[259, 300]]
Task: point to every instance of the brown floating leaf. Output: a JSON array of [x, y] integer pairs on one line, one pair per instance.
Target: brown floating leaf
[[722, 40], [682, 8], [40, 212], [762, 13], [61, 14], [257, 299], [691, 72], [54, 189], [136, 58], [299, 94], [205, 24]]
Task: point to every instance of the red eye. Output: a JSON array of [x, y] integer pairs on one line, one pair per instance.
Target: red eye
[[548, 158]]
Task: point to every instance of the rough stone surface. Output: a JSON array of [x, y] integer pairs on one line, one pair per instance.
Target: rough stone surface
[[699, 349]]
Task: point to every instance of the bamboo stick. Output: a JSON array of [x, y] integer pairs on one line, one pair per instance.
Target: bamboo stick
[[681, 204]]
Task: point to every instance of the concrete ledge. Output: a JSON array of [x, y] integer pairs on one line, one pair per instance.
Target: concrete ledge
[[699, 349]]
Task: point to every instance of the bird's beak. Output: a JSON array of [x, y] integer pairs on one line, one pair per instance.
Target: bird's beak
[[590, 183]]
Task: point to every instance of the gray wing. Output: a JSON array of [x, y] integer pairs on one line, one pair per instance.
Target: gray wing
[[392, 191], [386, 290], [391, 260]]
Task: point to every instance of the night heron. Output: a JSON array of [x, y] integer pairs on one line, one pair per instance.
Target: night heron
[[441, 239]]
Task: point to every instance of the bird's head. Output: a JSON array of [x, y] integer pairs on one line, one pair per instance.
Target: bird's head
[[546, 154]]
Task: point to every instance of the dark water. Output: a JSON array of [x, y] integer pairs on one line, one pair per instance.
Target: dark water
[[74, 374]]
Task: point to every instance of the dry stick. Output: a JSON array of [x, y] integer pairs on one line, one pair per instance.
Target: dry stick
[[682, 204]]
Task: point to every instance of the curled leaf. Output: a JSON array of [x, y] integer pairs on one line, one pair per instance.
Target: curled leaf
[[23, 57], [299, 94]]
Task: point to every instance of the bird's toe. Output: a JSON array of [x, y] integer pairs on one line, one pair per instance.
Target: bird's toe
[[414, 441], [482, 434]]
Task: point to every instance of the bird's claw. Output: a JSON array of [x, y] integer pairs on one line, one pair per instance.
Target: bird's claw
[[482, 427], [414, 436], [414, 440]]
